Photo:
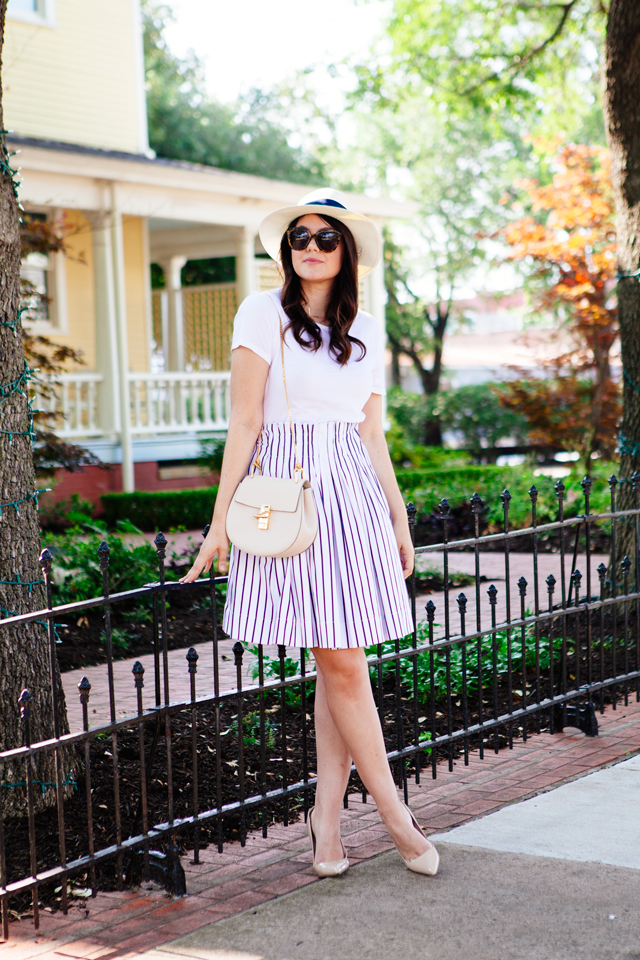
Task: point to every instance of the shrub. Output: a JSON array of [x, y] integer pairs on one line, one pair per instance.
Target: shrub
[[79, 577], [60, 516], [168, 509], [271, 665], [425, 488], [475, 415], [455, 661]]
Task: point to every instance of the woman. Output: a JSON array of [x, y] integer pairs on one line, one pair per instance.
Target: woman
[[347, 590]]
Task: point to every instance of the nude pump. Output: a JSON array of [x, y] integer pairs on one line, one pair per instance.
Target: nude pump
[[427, 863], [328, 868]]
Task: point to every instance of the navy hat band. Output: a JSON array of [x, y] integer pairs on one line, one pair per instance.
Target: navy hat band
[[326, 203]]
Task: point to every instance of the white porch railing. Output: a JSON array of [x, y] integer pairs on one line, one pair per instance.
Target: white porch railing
[[159, 403], [176, 402], [74, 398]]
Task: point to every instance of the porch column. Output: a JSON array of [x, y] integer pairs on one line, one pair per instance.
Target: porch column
[[174, 357], [120, 298], [106, 330], [246, 273]]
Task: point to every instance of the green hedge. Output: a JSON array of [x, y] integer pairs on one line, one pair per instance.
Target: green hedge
[[425, 488], [475, 477], [164, 510]]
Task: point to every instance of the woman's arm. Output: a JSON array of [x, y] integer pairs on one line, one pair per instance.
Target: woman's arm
[[248, 381], [374, 440]]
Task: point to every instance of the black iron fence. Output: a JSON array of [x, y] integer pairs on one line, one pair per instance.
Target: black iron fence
[[516, 656]]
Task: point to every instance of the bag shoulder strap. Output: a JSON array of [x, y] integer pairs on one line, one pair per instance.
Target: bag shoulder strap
[[297, 466]]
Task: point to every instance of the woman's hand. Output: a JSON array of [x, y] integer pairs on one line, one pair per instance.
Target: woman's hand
[[405, 547], [215, 544]]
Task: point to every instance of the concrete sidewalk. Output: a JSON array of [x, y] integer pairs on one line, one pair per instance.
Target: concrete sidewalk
[[492, 900], [483, 905]]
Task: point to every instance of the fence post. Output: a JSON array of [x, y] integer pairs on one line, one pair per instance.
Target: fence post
[[45, 563], [84, 688], [25, 700], [192, 660]]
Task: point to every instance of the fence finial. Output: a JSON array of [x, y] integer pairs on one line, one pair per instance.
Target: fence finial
[[138, 674], [25, 700], [85, 689], [161, 545], [103, 554], [192, 660]]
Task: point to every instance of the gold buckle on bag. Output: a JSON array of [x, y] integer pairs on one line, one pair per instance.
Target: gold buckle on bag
[[263, 517]]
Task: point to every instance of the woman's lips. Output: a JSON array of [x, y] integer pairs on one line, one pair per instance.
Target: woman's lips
[[312, 260]]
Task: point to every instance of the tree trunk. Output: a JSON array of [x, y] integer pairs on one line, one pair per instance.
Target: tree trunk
[[24, 651], [396, 376], [622, 112]]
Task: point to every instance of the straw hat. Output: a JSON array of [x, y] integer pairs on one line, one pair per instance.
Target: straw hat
[[325, 203]]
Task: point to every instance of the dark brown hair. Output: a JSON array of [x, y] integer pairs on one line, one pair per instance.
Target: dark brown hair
[[343, 302]]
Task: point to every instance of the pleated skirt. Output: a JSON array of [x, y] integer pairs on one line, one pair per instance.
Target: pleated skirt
[[346, 590]]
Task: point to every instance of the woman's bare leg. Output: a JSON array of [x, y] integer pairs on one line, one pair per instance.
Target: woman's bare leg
[[350, 703], [334, 766]]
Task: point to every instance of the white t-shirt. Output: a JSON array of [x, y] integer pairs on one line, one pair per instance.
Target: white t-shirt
[[320, 390]]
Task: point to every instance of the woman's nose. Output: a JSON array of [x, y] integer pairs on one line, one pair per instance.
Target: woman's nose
[[313, 246]]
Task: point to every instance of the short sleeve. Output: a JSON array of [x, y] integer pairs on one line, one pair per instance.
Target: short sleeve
[[379, 378], [255, 325]]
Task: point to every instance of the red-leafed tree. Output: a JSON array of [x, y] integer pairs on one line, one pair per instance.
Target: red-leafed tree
[[569, 240]]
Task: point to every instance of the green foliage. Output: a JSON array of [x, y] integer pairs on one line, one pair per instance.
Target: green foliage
[[212, 452], [120, 639], [503, 645], [185, 124], [196, 273], [191, 509], [64, 514], [475, 415], [528, 59], [408, 411], [77, 566], [425, 489], [292, 668], [251, 730]]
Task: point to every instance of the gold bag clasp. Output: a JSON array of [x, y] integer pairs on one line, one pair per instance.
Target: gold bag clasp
[[263, 517]]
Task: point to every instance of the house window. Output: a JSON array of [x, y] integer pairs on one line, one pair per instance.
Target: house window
[[40, 12], [35, 287]]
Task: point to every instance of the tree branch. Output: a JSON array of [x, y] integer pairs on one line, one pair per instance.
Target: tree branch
[[520, 61]]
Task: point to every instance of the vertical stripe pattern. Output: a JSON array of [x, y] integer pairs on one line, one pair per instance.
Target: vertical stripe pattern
[[347, 589]]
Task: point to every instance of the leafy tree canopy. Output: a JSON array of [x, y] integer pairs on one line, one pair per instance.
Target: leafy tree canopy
[[534, 58], [186, 124]]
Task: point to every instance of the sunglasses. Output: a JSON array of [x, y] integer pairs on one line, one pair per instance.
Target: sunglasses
[[326, 239]]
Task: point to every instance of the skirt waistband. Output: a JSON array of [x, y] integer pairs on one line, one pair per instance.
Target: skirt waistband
[[338, 428]]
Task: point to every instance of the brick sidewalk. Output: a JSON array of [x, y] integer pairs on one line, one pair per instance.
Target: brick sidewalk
[[123, 925]]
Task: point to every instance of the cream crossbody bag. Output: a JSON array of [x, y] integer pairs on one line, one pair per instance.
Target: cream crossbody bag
[[272, 516]]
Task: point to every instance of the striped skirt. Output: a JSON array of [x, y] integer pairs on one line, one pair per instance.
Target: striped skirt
[[347, 589]]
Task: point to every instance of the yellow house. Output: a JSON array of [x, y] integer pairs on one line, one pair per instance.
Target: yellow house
[[156, 373]]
